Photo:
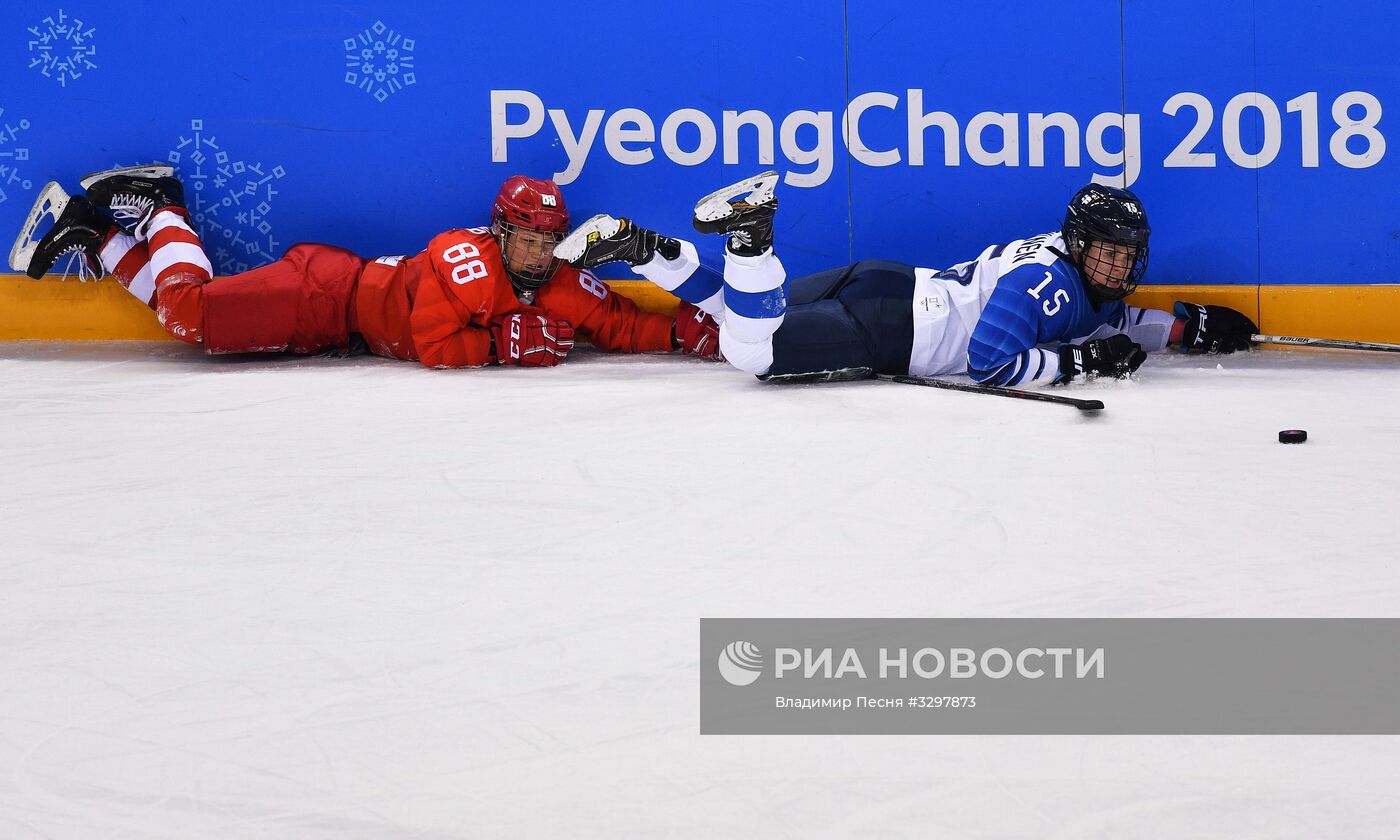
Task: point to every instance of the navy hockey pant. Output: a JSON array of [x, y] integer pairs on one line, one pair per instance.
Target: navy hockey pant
[[860, 315]]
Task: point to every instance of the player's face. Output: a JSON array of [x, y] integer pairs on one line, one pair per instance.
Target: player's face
[[1108, 264], [530, 251]]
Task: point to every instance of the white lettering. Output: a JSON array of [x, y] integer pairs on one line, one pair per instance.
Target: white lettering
[[1069, 130], [761, 122], [886, 663], [672, 148], [805, 139], [1094, 662], [1130, 158], [924, 653], [575, 148], [1363, 127], [615, 134], [995, 673], [1059, 654], [850, 662], [918, 121], [1021, 667], [1010, 152], [850, 129], [821, 153], [964, 663], [502, 130], [787, 660], [879, 702]]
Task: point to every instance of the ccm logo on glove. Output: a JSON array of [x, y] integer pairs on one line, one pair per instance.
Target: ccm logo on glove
[[532, 340]]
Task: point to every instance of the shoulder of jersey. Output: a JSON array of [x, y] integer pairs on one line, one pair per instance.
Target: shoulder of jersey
[[466, 234], [1043, 249], [567, 280], [1050, 257]]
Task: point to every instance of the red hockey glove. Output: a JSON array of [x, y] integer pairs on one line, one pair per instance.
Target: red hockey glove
[[696, 332], [532, 340]]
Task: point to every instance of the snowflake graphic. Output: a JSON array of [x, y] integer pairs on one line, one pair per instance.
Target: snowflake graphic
[[12, 154], [62, 47], [379, 61], [229, 201]]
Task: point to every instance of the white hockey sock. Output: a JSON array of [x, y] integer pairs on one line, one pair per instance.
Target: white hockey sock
[[755, 299], [754, 357], [687, 279]]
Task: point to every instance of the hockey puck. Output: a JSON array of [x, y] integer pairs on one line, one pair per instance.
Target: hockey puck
[[1292, 436]]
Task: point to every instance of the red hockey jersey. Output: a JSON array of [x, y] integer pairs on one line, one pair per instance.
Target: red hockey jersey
[[436, 307]]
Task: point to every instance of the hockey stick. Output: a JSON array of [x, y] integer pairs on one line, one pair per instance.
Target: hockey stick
[[850, 374], [1333, 343], [1038, 396]]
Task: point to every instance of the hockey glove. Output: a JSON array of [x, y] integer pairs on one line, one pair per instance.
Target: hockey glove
[[1115, 356], [1213, 329], [696, 333], [532, 340]]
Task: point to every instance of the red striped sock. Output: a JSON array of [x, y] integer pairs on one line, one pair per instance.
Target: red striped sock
[[129, 260], [175, 247]]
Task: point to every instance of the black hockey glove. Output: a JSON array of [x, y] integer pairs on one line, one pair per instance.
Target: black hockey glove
[[1115, 356], [1214, 329]]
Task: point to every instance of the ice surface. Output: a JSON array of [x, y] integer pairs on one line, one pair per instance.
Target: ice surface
[[359, 599]]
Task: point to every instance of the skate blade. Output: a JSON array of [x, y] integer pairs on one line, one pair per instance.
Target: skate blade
[[145, 170], [715, 206], [51, 202], [600, 226]]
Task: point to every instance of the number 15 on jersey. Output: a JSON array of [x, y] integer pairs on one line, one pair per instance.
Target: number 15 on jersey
[[1060, 298]]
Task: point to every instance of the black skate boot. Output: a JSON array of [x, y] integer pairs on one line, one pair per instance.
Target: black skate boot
[[133, 194], [749, 222], [78, 229], [603, 239]]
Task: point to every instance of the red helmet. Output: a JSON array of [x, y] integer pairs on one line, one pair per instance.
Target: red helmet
[[529, 204]]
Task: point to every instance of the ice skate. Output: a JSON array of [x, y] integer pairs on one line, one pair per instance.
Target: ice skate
[[133, 194], [77, 229], [744, 211], [604, 239], [145, 170]]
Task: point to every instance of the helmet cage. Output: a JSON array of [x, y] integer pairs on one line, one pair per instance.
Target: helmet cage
[[535, 206], [1113, 217], [1096, 263], [508, 238]]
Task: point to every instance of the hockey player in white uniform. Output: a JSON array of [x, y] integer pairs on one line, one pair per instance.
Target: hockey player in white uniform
[[1031, 312]]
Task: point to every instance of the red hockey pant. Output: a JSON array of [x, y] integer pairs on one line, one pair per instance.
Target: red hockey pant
[[303, 303]]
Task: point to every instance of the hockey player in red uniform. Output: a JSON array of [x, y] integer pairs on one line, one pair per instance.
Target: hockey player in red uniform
[[473, 297]]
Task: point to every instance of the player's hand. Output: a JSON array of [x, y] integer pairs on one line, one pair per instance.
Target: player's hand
[[697, 333], [1213, 329], [1115, 356], [532, 340]]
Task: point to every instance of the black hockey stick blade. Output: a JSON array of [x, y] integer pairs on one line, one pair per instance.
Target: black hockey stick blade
[[1038, 396], [857, 373], [1330, 343]]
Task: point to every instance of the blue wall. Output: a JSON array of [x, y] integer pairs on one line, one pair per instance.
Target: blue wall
[[376, 125]]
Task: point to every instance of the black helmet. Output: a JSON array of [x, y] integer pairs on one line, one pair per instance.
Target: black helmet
[[1112, 216]]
